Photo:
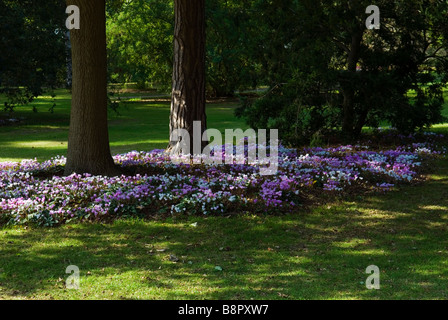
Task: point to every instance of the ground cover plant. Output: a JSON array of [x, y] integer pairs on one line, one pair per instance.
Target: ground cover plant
[[319, 252], [86, 182], [316, 254], [33, 192]]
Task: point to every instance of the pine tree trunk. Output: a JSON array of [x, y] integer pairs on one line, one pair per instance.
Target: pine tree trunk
[[188, 95], [88, 145]]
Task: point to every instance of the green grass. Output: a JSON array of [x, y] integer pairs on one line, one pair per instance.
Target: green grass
[[320, 254], [317, 254], [141, 126]]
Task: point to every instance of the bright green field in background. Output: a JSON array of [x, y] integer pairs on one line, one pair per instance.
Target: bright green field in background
[[141, 126]]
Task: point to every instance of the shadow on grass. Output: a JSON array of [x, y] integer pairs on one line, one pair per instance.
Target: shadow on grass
[[317, 255]]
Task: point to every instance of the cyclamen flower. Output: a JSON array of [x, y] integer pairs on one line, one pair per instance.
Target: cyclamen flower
[[205, 188]]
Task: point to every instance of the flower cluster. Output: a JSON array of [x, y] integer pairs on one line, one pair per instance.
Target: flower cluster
[[33, 192]]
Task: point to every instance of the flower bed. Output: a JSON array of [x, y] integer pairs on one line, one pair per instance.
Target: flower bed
[[33, 192]]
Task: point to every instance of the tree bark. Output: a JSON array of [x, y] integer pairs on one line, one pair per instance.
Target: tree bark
[[188, 93], [88, 143], [348, 90]]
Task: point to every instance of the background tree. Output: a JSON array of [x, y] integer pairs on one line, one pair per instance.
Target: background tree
[[233, 35], [327, 70], [140, 42], [88, 145], [32, 48], [188, 92]]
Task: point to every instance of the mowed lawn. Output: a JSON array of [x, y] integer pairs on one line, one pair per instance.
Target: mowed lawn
[[318, 253], [141, 126]]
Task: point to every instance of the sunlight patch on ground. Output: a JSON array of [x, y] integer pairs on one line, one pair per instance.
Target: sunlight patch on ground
[[124, 143], [440, 126], [10, 160], [369, 213], [46, 127], [367, 252], [427, 272], [439, 178], [353, 243], [434, 208], [47, 144]]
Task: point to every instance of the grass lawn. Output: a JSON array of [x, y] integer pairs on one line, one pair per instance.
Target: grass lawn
[[320, 254], [141, 126], [317, 254]]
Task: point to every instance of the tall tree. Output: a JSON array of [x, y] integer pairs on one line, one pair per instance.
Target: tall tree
[[140, 42], [32, 48], [327, 70], [188, 93], [88, 145], [233, 34]]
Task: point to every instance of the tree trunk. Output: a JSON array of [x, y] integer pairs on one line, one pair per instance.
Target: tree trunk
[[188, 95], [68, 49], [349, 112], [88, 143], [361, 121], [348, 88]]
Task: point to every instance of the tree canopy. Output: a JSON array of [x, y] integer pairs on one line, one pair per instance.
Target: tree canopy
[[32, 42], [325, 70]]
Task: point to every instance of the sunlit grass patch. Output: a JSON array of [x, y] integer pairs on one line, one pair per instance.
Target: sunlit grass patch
[[140, 126], [319, 253]]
